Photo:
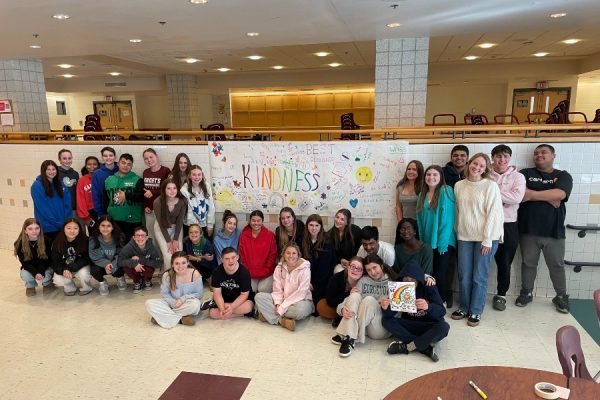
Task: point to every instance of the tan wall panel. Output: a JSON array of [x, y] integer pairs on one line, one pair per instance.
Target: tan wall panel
[[343, 100], [239, 119], [362, 100], [274, 119], [307, 118], [325, 118], [273, 102], [256, 103], [256, 119], [307, 102], [239, 103], [290, 102], [324, 100]]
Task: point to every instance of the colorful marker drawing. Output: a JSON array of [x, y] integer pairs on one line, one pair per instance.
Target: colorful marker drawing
[[402, 296]]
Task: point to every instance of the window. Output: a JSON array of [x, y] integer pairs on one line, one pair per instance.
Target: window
[[61, 108]]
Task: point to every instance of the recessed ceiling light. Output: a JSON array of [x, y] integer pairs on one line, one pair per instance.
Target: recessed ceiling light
[[471, 58], [114, 73], [393, 25], [334, 65], [486, 45], [61, 16], [322, 54], [252, 34], [65, 66], [35, 46], [541, 54], [198, 1], [571, 41], [255, 57], [135, 40], [191, 60], [223, 69], [277, 66], [558, 15], [67, 76]]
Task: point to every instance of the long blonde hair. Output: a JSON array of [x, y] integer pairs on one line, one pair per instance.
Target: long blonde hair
[[488, 165], [23, 242]]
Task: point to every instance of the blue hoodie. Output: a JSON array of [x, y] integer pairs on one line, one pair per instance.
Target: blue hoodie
[[436, 309], [100, 175], [50, 211], [221, 241]]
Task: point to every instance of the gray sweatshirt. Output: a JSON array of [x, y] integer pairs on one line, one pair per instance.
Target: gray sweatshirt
[[106, 253]]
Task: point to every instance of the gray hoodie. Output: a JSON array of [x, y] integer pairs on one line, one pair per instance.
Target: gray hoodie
[[106, 253], [148, 256]]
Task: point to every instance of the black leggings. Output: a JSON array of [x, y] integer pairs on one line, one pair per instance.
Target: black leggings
[[99, 272], [441, 264]]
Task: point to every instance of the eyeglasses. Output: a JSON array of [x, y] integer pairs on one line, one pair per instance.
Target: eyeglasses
[[140, 236], [356, 268]]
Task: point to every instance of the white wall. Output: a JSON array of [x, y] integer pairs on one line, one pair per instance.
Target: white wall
[[588, 98], [460, 99]]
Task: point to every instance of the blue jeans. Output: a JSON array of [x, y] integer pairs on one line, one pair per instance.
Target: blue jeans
[[30, 281], [473, 271]]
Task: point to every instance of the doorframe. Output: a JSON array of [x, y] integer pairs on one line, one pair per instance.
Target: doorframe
[[129, 102], [553, 89]]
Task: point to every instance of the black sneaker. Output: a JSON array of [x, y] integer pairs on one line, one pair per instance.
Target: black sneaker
[[337, 339], [474, 319], [499, 303], [346, 347], [208, 304], [524, 299], [147, 285], [137, 287], [561, 303], [430, 352], [458, 314], [397, 347]]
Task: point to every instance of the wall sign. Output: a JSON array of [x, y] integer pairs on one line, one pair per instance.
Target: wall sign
[[5, 106]]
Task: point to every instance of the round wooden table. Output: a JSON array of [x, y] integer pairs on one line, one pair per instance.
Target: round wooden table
[[496, 382]]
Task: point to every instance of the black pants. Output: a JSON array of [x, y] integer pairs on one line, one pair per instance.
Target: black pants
[[422, 333], [441, 271], [505, 256], [98, 272], [205, 269]]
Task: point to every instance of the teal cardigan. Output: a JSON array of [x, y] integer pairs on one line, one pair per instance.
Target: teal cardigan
[[436, 227]]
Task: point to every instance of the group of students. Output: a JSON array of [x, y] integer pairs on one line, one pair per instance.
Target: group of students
[[466, 208]]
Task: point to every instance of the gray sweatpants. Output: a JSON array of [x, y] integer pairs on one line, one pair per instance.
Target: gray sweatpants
[[168, 317], [266, 306], [262, 285], [554, 254], [366, 321]]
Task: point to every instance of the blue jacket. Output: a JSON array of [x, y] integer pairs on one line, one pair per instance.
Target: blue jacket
[[221, 241], [436, 227], [100, 175], [50, 211]]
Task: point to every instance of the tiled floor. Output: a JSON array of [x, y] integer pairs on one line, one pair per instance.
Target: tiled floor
[[94, 347]]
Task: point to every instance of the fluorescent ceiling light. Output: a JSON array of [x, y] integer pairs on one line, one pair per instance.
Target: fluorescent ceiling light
[[393, 25], [61, 16], [558, 15], [191, 60], [322, 54], [541, 54], [35, 46], [255, 57], [135, 40], [114, 73], [223, 69], [277, 66], [198, 1], [334, 65], [67, 76], [65, 66], [471, 58], [571, 41], [252, 34], [486, 45]]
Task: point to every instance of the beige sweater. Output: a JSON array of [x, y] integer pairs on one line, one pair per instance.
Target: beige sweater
[[479, 214]]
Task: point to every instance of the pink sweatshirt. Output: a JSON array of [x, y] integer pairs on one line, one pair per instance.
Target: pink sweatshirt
[[512, 189], [291, 287]]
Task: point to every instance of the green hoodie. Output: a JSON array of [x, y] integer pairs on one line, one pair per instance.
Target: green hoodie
[[131, 209]]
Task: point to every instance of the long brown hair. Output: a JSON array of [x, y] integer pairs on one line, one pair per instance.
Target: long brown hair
[[171, 272], [23, 242], [202, 182], [346, 233], [176, 172], [436, 193], [164, 220], [374, 258], [420, 175], [282, 238], [55, 186], [307, 243]]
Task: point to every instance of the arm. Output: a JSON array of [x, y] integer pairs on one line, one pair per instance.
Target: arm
[[300, 293], [125, 257], [399, 214], [98, 194], [277, 293], [544, 195], [515, 194], [447, 210], [158, 211], [165, 290], [182, 208], [41, 211], [218, 298], [494, 214], [427, 259], [82, 206], [97, 256], [57, 262], [81, 260]]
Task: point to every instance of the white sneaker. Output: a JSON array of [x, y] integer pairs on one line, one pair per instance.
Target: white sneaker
[[121, 284], [103, 288]]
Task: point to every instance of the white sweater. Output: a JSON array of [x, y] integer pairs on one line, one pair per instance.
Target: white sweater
[[479, 214]]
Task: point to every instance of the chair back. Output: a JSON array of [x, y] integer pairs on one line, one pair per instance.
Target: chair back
[[597, 303], [597, 117], [568, 346]]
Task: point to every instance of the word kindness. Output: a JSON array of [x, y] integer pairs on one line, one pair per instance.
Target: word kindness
[[288, 179]]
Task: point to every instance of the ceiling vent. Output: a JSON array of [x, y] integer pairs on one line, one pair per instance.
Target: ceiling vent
[[115, 84]]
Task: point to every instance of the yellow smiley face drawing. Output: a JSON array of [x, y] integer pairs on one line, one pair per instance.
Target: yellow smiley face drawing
[[364, 174]]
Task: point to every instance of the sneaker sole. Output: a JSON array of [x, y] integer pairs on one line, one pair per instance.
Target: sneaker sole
[[562, 310], [457, 317], [499, 308], [521, 304], [473, 324], [344, 355], [336, 343]]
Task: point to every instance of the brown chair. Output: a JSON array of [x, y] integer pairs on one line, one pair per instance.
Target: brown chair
[[596, 119], [436, 116], [214, 136], [568, 346], [499, 119], [347, 123]]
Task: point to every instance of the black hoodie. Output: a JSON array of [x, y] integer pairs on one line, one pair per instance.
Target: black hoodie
[[451, 175]]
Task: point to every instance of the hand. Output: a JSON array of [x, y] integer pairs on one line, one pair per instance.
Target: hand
[[38, 277], [119, 197], [227, 311], [344, 263], [354, 290], [384, 302], [108, 268], [485, 250], [429, 281], [422, 304], [277, 309], [347, 314], [147, 194], [178, 303], [173, 246], [67, 274], [139, 268], [209, 257], [554, 203], [147, 210], [209, 231]]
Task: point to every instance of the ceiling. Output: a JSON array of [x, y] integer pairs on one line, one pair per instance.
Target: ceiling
[[95, 39]]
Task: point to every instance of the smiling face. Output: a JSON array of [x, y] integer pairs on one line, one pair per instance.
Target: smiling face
[[407, 231], [71, 231], [195, 233], [432, 178], [106, 229], [183, 164], [150, 159], [179, 264], [355, 270], [108, 157], [371, 246], [91, 165], [543, 157], [140, 238], [51, 172], [459, 159], [374, 270], [501, 162], [196, 176], [230, 225], [411, 172], [230, 262], [291, 255], [125, 166], [313, 229], [33, 232], [286, 219], [256, 223], [66, 159], [339, 221], [171, 190], [477, 168]]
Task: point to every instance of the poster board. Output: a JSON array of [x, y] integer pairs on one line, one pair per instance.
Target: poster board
[[309, 177], [402, 296]]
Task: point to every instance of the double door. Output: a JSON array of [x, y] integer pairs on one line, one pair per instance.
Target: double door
[[527, 101], [114, 115]]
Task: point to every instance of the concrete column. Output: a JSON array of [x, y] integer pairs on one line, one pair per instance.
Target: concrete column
[[401, 82], [22, 82], [183, 102]]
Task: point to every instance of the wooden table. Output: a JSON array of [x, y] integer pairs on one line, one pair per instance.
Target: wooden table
[[498, 383]]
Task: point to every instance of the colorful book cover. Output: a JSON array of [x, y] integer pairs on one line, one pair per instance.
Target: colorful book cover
[[402, 296]]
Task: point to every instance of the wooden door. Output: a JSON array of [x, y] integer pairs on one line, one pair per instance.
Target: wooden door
[[525, 101], [123, 115], [115, 115], [552, 97], [105, 111]]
